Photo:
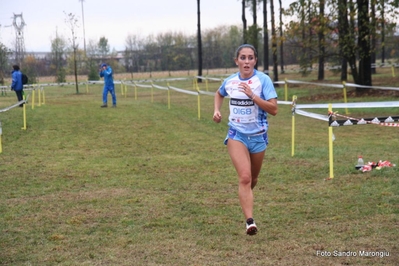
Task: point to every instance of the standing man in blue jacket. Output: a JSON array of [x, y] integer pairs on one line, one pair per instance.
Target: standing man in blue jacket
[[16, 84], [107, 74]]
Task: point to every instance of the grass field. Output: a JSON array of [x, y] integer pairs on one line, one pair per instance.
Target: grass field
[[142, 184]]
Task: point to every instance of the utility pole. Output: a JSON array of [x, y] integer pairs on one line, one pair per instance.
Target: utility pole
[[83, 21]]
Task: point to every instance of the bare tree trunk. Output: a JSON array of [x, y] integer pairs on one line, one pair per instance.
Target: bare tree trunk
[[383, 31], [321, 42], [75, 69], [244, 23], [281, 38], [343, 26], [199, 40], [350, 41], [265, 39], [303, 27], [255, 29], [373, 37], [364, 44], [274, 43]]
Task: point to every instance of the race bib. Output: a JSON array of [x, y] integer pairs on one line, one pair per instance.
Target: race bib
[[242, 110]]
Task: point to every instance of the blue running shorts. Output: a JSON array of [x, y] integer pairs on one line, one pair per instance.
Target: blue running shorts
[[255, 143]]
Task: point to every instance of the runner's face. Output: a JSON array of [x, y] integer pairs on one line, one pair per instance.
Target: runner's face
[[246, 61]]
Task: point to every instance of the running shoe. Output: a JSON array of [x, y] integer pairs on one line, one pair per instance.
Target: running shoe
[[251, 227]]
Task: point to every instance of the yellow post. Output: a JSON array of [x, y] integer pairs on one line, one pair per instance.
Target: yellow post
[[393, 71], [168, 96], [330, 145], [122, 87], [1, 133], [125, 90], [44, 98], [199, 104], [152, 92], [285, 90], [293, 125], [345, 98], [206, 84], [24, 115], [33, 99], [135, 91], [87, 86], [40, 97]]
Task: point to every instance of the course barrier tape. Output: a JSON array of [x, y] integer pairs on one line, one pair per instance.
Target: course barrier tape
[[140, 85], [159, 87], [183, 91], [351, 105], [208, 78], [340, 86], [371, 87], [312, 115]]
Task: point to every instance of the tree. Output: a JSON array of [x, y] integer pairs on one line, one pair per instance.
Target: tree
[[364, 44], [383, 31], [349, 41], [373, 36], [72, 23], [199, 40], [274, 43], [281, 38], [166, 43], [253, 31], [244, 22], [4, 67], [58, 50], [133, 45], [343, 29], [103, 47], [321, 39], [265, 39], [231, 38], [30, 68], [92, 60]]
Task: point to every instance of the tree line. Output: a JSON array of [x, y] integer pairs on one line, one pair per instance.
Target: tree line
[[344, 33]]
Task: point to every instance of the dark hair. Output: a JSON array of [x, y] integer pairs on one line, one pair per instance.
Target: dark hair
[[246, 45], [15, 67]]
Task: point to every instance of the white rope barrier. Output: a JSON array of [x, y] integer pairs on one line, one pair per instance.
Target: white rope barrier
[[159, 87], [15, 105], [183, 91], [140, 85], [372, 87], [312, 115], [340, 86], [207, 93], [351, 105]]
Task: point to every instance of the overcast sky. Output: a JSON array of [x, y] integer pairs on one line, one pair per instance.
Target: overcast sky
[[113, 19]]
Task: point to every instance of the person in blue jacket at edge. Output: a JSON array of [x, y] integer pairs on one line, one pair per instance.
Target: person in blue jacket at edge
[[107, 73], [16, 84]]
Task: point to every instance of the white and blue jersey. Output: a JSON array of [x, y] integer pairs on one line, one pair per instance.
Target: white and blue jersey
[[246, 116]]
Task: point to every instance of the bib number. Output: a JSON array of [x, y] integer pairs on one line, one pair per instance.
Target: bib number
[[242, 110]]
